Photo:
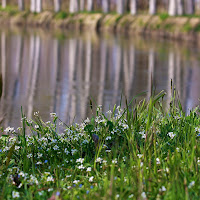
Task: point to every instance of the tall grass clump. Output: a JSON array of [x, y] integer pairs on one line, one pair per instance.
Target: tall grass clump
[[137, 152]]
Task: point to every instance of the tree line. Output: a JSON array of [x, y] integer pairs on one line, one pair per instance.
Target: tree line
[[173, 7]]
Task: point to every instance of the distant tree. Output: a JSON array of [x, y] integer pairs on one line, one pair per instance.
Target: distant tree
[[3, 3], [133, 7], [57, 5], [33, 6], [73, 6], [172, 7], [89, 5], [190, 6], [152, 7], [82, 5], [120, 7], [105, 5], [180, 7], [38, 6]]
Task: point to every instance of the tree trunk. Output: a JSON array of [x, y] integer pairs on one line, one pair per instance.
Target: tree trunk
[[57, 5], [33, 6], [3, 4], [21, 5], [190, 7], [120, 7], [38, 6], [172, 7], [82, 5], [105, 5], [133, 7], [89, 5], [73, 6], [180, 7], [152, 7]]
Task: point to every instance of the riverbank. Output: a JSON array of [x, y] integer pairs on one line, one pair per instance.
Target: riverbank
[[181, 28]]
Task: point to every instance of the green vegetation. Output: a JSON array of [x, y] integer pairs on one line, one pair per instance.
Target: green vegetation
[[10, 10], [61, 15], [187, 27], [140, 152], [164, 16]]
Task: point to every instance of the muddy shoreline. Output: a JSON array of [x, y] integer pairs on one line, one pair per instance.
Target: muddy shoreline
[[178, 28]]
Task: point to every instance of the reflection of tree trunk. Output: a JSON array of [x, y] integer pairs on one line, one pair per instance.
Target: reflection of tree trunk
[[132, 67], [133, 7], [103, 71], [80, 83], [3, 70], [21, 5], [118, 59], [170, 75], [72, 62], [178, 73], [126, 73], [56, 66], [34, 65], [16, 70], [152, 7], [3, 60], [105, 6], [151, 71], [3, 4], [87, 73], [57, 5]]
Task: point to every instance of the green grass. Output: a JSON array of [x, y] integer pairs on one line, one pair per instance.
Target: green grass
[[164, 16], [138, 152]]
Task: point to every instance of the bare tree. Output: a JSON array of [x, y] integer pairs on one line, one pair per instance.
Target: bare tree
[[57, 5], [82, 5], [33, 6], [21, 5], [73, 6], [172, 7], [133, 7], [190, 6], [105, 5], [89, 5], [152, 7], [3, 3], [180, 7], [120, 7], [38, 7]]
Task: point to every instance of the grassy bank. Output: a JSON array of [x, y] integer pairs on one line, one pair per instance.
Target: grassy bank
[[180, 27], [140, 152]]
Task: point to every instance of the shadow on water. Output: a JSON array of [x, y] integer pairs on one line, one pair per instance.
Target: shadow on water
[[61, 72]]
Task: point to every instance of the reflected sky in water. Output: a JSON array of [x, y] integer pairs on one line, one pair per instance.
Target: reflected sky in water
[[61, 72]]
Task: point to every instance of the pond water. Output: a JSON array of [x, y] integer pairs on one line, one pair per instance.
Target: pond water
[[62, 71]]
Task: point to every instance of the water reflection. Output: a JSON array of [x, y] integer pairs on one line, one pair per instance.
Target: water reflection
[[50, 74]]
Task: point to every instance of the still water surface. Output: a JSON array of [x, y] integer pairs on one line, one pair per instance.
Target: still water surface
[[61, 72]]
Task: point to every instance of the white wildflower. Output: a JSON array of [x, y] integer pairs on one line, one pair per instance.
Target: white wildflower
[[15, 194], [89, 169], [91, 179], [191, 184], [143, 195], [157, 161], [9, 129], [163, 189], [76, 181], [80, 160], [171, 135], [50, 179]]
